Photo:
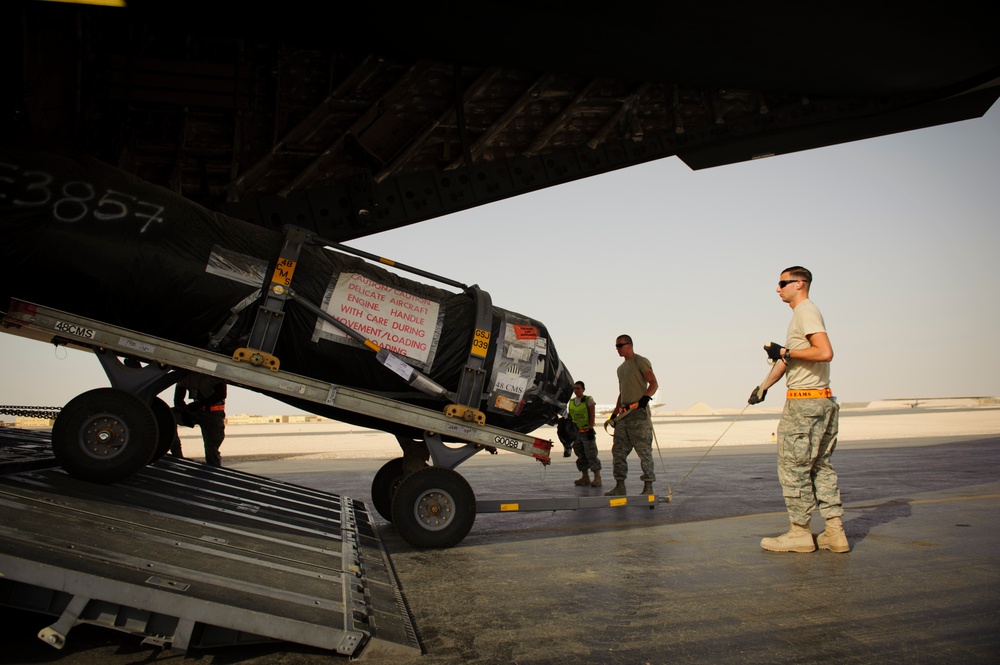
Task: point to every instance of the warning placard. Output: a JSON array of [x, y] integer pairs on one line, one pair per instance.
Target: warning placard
[[395, 320]]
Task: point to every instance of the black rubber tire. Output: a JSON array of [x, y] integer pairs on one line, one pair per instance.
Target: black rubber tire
[[166, 427], [434, 508], [104, 435], [384, 486]]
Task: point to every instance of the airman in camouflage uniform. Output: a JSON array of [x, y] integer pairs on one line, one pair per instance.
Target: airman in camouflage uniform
[[807, 432], [633, 427]]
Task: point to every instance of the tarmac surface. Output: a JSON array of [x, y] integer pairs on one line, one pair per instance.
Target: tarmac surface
[[685, 582]]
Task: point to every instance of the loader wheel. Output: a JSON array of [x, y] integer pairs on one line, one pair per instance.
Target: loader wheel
[[384, 484], [434, 508], [166, 427], [104, 435]]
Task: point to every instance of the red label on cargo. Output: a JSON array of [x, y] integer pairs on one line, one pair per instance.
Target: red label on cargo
[[525, 332]]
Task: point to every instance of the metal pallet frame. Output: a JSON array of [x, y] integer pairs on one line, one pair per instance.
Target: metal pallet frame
[[54, 326], [193, 556]]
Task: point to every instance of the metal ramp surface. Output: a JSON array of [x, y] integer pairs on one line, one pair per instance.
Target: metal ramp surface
[[24, 450], [194, 557]]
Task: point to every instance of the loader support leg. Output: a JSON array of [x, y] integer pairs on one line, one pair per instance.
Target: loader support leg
[[445, 457], [55, 635]]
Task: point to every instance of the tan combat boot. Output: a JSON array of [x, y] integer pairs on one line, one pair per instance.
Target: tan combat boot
[[833, 538], [583, 480], [798, 538], [596, 482], [617, 490]]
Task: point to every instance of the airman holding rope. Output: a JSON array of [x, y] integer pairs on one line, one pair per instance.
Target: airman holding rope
[[807, 431], [631, 420]]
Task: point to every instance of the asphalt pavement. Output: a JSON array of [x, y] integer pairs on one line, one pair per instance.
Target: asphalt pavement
[[684, 582]]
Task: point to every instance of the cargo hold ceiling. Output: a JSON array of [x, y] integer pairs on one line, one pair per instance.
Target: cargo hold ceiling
[[352, 120]]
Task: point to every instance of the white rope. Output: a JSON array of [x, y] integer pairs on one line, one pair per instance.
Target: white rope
[[670, 491]]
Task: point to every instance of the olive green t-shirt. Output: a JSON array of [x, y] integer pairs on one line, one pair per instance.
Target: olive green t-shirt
[[632, 383], [801, 374]]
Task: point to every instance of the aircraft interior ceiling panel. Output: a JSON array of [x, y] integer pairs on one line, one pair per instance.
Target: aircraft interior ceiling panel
[[224, 112]]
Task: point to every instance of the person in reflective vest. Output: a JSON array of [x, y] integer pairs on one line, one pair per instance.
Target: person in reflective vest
[[581, 411]]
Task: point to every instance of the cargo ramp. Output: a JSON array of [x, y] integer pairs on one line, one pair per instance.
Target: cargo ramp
[[189, 556]]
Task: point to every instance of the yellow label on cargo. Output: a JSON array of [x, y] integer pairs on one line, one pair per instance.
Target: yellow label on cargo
[[480, 343], [509, 507], [617, 502], [283, 272]]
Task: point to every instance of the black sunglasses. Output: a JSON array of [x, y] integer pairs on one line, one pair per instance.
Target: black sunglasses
[[782, 283], [618, 346]]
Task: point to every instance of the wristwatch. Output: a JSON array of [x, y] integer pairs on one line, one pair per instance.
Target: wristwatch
[[788, 354]]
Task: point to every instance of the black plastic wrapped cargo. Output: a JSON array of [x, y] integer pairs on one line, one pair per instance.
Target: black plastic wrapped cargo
[[84, 237]]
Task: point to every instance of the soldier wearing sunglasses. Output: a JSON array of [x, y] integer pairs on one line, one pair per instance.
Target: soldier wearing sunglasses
[[807, 431], [633, 425]]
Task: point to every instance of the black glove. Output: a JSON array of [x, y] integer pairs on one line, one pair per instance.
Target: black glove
[[643, 401], [754, 397], [773, 351], [182, 416]]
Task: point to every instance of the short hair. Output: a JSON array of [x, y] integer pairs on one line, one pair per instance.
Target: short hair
[[627, 338], [580, 383], [798, 272]]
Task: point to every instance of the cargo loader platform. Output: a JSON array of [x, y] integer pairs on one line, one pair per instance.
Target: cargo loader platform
[[189, 556]]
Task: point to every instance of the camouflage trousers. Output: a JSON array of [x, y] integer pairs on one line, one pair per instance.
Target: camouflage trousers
[[585, 447], [633, 432], [807, 437]]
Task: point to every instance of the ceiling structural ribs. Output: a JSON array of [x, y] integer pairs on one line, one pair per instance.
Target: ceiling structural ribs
[[703, 128], [453, 117], [302, 132], [625, 111], [356, 133], [494, 131], [548, 115], [380, 119]]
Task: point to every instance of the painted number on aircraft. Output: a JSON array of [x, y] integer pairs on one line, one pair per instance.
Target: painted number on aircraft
[[73, 200], [480, 343]]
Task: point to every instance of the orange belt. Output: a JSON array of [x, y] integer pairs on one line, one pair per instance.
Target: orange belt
[[814, 393]]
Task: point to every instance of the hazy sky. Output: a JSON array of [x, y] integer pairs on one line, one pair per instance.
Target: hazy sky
[[901, 232]]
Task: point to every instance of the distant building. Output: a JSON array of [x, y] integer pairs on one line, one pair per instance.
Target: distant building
[[28, 423], [248, 419], [304, 418]]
